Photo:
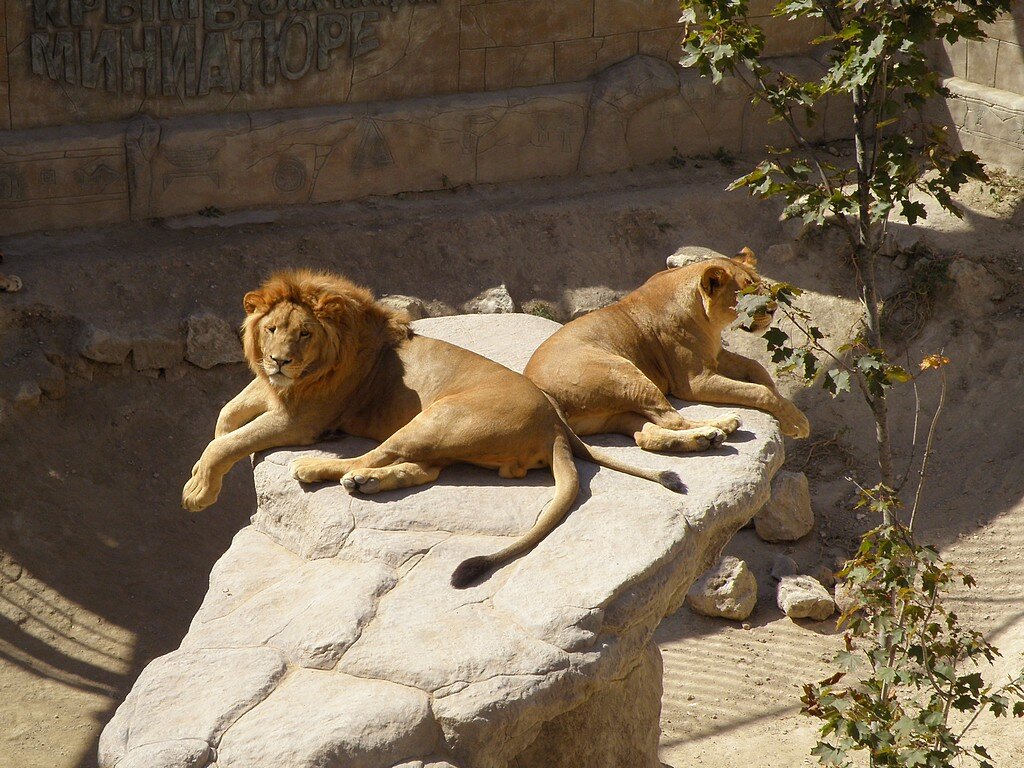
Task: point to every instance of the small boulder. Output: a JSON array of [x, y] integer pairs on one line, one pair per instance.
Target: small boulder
[[103, 346], [413, 307], [788, 515], [728, 590], [493, 301], [210, 341], [29, 394], [783, 565], [802, 597], [691, 254], [157, 351], [781, 253], [847, 596], [583, 301]]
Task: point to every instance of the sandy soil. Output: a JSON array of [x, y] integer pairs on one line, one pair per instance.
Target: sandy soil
[[100, 571]]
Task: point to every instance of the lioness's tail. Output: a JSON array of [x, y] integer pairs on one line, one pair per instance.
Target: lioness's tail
[[665, 477], [567, 486]]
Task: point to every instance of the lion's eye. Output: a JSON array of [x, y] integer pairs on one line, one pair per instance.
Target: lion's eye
[[303, 334], [271, 328]]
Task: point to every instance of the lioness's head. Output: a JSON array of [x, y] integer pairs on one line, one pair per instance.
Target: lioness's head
[[304, 328], [721, 280]]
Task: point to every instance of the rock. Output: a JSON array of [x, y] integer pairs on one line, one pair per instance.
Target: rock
[[846, 596], [104, 346], [781, 253], [413, 307], [788, 515], [157, 351], [728, 590], [210, 341], [549, 663], [825, 574], [691, 254], [493, 301], [28, 394], [975, 288], [583, 301], [802, 597], [783, 565]]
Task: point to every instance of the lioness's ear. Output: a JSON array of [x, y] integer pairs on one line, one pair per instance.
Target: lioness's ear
[[712, 280], [746, 257], [255, 301]]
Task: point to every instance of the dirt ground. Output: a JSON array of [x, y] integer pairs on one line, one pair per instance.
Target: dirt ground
[[100, 571]]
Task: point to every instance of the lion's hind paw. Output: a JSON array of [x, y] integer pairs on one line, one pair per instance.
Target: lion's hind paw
[[357, 482]]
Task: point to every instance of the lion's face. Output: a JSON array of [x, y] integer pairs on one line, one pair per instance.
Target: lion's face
[[291, 340], [721, 282]]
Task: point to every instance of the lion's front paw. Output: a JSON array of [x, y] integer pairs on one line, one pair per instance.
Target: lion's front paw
[[199, 493], [358, 482], [794, 423]]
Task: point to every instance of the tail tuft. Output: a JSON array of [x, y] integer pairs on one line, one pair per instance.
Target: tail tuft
[[470, 571], [672, 481]]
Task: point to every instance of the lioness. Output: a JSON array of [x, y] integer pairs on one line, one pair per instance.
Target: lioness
[[327, 357], [609, 371]]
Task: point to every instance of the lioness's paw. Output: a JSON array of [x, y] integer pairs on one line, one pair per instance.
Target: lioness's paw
[[309, 471], [709, 437], [356, 482], [728, 423], [198, 493]]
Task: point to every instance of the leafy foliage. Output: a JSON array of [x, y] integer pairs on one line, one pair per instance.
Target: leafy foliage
[[877, 58], [908, 663]]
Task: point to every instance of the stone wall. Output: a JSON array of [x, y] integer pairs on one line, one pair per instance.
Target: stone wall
[[986, 80], [97, 60], [132, 109]]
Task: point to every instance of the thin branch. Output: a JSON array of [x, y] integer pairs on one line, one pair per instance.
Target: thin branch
[[928, 447]]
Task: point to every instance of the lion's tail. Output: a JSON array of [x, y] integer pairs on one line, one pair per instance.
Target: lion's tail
[[567, 486]]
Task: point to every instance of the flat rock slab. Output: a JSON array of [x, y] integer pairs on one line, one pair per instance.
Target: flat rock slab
[[330, 635]]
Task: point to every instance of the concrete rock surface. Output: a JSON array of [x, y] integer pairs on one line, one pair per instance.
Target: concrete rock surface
[[728, 590], [802, 597], [330, 634], [788, 515], [493, 301]]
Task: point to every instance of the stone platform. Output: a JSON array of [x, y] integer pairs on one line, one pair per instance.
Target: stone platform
[[330, 635]]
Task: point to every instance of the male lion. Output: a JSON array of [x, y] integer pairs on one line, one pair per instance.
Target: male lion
[[327, 357], [609, 371]]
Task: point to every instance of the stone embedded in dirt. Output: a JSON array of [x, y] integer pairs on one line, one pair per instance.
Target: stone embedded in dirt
[[388, 665], [152, 352], [29, 394], [802, 597], [691, 254], [781, 253], [211, 340], [583, 301], [728, 590], [103, 346], [975, 288], [413, 307], [493, 301], [783, 565], [846, 595], [788, 515]]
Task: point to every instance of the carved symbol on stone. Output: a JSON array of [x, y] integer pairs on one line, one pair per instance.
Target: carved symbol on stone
[[192, 162], [96, 176], [48, 176], [373, 151], [289, 175], [12, 184]]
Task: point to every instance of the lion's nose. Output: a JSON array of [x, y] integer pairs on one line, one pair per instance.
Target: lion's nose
[[281, 362]]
